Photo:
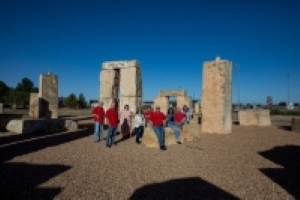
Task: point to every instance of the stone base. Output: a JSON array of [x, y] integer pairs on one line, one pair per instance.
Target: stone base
[[296, 125], [29, 126], [254, 118], [5, 118], [189, 133]]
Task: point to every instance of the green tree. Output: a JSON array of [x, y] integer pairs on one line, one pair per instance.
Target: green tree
[[22, 92], [71, 101], [81, 101], [282, 104], [4, 90], [26, 85]]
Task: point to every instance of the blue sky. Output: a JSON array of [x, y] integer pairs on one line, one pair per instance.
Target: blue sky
[[170, 38]]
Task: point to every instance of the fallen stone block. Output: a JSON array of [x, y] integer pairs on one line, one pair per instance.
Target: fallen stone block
[[296, 125], [5, 118], [29, 126], [189, 133], [254, 117]]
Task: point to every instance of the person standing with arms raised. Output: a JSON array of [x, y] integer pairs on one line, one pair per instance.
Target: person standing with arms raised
[[99, 115], [157, 120], [112, 122]]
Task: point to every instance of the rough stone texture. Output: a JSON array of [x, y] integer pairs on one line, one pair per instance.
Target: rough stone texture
[[48, 94], [254, 117], [216, 96], [296, 125], [29, 126], [5, 118], [189, 133], [34, 105], [129, 84], [163, 103], [197, 108], [1, 108], [184, 100], [169, 93]]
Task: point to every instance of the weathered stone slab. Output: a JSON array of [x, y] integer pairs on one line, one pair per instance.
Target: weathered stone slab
[[48, 94], [120, 64], [29, 126], [5, 118], [189, 133], [1, 108], [172, 93], [184, 101], [34, 105], [216, 105], [296, 125], [254, 117]]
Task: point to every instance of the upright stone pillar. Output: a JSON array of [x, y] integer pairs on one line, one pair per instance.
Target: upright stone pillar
[[163, 103], [197, 108], [216, 96], [184, 100], [48, 94], [106, 87], [34, 105], [1, 108]]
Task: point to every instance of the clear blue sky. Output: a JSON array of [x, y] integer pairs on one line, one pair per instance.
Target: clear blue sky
[[171, 39]]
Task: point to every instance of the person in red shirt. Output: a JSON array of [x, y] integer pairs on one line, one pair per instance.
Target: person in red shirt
[[157, 119], [147, 114], [98, 113], [179, 119], [113, 121]]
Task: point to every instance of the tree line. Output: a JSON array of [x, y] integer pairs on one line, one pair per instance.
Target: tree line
[[19, 96]]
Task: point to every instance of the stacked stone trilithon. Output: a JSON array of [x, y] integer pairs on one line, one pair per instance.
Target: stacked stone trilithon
[[216, 96], [121, 81]]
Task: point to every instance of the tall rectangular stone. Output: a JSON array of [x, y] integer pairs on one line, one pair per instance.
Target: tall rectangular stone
[[48, 94], [184, 100], [217, 96], [1, 108], [34, 105], [163, 103]]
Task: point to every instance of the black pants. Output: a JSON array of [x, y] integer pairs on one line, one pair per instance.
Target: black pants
[[139, 131]]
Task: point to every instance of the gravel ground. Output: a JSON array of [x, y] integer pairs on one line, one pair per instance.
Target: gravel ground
[[250, 163]]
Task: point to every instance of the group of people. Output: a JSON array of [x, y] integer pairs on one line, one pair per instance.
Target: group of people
[[154, 118]]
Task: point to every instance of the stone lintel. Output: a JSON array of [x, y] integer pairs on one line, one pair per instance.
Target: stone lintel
[[168, 93], [120, 64]]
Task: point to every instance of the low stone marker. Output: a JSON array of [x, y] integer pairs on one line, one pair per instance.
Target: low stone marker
[[296, 125], [29, 126], [189, 133], [254, 117]]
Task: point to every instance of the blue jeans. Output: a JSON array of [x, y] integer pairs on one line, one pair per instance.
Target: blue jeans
[[111, 134], [138, 133], [176, 130], [98, 131], [160, 133]]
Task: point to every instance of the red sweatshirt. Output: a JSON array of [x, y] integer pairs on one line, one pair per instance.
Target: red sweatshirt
[[148, 114], [157, 118], [112, 116], [179, 116], [98, 114]]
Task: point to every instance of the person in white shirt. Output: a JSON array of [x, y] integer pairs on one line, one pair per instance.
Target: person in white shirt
[[139, 123]]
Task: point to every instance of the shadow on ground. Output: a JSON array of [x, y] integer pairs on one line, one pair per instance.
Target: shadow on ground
[[287, 177], [17, 145], [186, 188], [286, 128], [21, 180]]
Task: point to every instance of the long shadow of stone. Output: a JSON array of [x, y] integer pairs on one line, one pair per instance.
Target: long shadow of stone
[[21, 180], [287, 177], [12, 150], [186, 188]]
